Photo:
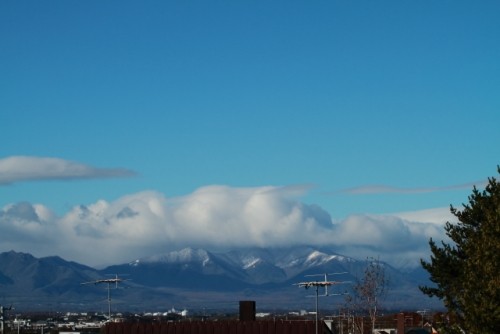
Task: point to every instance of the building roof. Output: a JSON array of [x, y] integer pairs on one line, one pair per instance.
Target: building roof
[[219, 327]]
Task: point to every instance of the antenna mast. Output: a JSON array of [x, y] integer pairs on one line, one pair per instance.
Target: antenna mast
[[108, 281], [325, 284]]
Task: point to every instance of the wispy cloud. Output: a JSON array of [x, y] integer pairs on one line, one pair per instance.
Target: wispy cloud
[[212, 217], [384, 189], [27, 168]]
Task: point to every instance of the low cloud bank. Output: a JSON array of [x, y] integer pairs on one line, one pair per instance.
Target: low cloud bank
[[213, 217], [384, 189]]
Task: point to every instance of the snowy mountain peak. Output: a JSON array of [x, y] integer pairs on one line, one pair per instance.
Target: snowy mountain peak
[[318, 258], [251, 262], [186, 255], [252, 265]]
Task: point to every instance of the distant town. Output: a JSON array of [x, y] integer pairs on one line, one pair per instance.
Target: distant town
[[331, 322]]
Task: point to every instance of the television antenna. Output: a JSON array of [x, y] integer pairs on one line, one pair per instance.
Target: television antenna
[[324, 284], [109, 281]]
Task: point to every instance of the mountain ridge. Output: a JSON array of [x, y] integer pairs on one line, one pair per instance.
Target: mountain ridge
[[194, 277]]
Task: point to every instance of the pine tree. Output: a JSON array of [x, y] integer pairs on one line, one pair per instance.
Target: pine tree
[[466, 272]]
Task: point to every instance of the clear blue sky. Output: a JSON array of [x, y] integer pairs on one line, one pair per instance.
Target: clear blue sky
[[335, 95]]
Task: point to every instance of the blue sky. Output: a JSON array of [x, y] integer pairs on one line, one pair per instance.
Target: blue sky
[[358, 107]]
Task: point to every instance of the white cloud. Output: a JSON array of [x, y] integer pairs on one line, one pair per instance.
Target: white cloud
[[436, 216], [214, 217], [26, 168], [394, 239]]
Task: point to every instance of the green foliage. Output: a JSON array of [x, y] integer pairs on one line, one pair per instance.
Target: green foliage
[[466, 273]]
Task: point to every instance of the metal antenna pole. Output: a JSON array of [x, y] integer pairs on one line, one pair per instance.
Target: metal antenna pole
[[109, 302], [317, 297]]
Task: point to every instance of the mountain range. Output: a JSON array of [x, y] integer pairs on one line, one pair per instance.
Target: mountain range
[[197, 279]]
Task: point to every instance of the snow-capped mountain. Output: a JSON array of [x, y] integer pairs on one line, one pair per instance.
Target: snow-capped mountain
[[186, 255], [234, 269], [281, 264], [193, 278]]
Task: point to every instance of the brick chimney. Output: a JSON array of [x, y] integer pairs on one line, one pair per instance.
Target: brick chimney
[[247, 310], [401, 323]]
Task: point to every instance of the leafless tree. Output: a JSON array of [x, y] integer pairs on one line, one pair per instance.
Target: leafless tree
[[369, 290]]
